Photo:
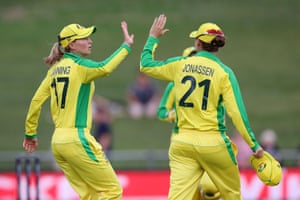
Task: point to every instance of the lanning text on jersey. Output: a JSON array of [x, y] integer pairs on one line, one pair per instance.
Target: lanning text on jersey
[[65, 70]]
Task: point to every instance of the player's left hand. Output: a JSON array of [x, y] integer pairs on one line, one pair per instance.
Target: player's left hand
[[259, 153], [158, 27], [172, 115], [128, 39], [30, 144]]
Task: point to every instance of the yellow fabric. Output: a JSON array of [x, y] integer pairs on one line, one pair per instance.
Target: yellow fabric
[[72, 32], [203, 88], [193, 154], [172, 115], [165, 110], [268, 169], [208, 189], [84, 164], [70, 83], [188, 51], [203, 33]]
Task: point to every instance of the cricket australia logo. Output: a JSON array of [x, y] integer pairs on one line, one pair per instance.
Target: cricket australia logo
[[261, 166]]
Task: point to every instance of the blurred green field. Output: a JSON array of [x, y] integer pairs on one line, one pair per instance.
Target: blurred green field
[[261, 48]]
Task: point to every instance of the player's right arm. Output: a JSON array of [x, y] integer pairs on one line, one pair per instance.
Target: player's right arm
[[30, 141], [159, 69], [104, 68], [33, 114], [91, 70], [166, 109]]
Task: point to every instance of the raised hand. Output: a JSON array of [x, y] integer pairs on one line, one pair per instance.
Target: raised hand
[[128, 39], [158, 26]]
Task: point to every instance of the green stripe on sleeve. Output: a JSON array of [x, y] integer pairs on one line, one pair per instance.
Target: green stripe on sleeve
[[242, 109], [240, 103], [31, 136]]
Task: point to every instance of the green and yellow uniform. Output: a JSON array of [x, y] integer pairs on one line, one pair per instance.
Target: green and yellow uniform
[[203, 88], [166, 112], [167, 106], [70, 84]]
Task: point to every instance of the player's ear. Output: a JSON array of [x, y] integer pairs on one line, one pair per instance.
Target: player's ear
[[198, 45], [71, 46]]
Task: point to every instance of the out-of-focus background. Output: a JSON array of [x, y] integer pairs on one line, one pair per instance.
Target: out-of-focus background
[[262, 49]]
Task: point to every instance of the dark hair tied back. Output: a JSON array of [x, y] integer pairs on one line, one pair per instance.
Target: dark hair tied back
[[218, 42], [214, 45]]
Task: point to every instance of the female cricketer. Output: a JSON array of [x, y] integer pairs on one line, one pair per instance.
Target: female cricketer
[[167, 112], [70, 85], [203, 88]]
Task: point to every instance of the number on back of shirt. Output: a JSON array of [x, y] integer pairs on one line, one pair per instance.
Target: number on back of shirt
[[193, 85], [65, 82]]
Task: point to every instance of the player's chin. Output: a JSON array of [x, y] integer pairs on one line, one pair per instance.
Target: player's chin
[[87, 52]]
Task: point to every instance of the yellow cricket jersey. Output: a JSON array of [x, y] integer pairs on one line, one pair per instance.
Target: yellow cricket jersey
[[203, 88], [70, 84]]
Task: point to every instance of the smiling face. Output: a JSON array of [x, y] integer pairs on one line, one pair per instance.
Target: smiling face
[[82, 47]]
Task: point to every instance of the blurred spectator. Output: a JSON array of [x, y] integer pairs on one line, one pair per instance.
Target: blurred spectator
[[244, 152], [143, 97], [268, 140], [102, 120]]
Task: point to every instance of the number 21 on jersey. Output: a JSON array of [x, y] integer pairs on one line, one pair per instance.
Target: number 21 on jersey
[[193, 85]]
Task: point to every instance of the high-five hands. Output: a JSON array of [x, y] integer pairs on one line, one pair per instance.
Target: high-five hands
[[128, 39], [158, 27]]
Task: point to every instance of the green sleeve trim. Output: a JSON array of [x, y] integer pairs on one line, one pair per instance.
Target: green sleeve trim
[[128, 48], [155, 40], [254, 148], [30, 136]]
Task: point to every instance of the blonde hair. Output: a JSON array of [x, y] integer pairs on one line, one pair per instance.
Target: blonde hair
[[55, 55]]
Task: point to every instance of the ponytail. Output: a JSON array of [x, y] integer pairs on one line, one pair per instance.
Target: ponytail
[[215, 44], [55, 55]]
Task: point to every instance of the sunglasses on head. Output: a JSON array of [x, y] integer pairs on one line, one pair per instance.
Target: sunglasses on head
[[62, 38], [213, 32]]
